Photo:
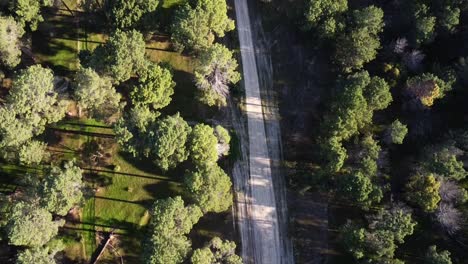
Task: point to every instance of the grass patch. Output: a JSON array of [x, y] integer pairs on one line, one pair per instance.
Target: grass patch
[[122, 198], [175, 59], [88, 237]]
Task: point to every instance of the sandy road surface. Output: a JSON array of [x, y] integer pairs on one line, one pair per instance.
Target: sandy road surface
[[256, 203]]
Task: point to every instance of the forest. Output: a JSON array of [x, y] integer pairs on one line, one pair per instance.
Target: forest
[[381, 143], [132, 131], [112, 142]]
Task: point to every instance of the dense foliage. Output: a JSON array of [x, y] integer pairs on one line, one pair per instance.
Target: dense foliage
[[171, 222], [195, 27]]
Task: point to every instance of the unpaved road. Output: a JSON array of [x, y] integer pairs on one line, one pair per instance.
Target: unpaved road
[[262, 235]]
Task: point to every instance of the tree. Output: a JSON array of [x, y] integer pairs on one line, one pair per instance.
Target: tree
[[215, 71], [426, 88], [377, 94], [397, 220], [203, 146], [423, 190], [170, 138], [29, 11], [444, 162], [31, 104], [96, 94], [202, 256], [134, 130], [397, 132], [155, 87], [424, 24], [449, 18], [61, 189], [350, 112], [435, 257], [353, 238], [32, 152], [37, 255], [451, 193], [210, 188], [10, 41], [196, 28], [217, 251], [14, 132], [334, 153], [359, 188], [129, 13], [449, 217], [33, 99], [324, 15], [121, 56], [29, 225], [359, 44], [362, 244], [171, 222], [223, 140]]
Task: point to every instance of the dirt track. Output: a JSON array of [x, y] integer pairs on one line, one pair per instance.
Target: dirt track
[[261, 226]]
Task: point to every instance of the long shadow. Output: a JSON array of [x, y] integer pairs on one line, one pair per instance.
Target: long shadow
[[162, 190], [119, 200], [100, 225], [86, 125], [84, 133], [78, 229], [98, 179], [129, 174]]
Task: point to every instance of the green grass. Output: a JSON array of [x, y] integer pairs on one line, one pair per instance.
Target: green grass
[[122, 198], [66, 55], [175, 59], [88, 237]]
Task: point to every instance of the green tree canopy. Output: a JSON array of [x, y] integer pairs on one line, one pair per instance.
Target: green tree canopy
[[134, 130], [170, 223], [170, 137], [398, 221], [426, 88], [10, 41], [437, 257], [61, 189], [121, 56], [203, 146], [350, 112], [217, 251], [359, 188], [375, 246], [29, 225], [31, 104], [325, 15], [360, 42], [377, 94], [215, 71], [96, 94], [223, 140], [210, 188], [129, 13], [32, 152], [29, 11], [155, 87], [444, 162], [195, 28], [423, 190], [424, 24], [397, 132], [33, 99], [36, 255]]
